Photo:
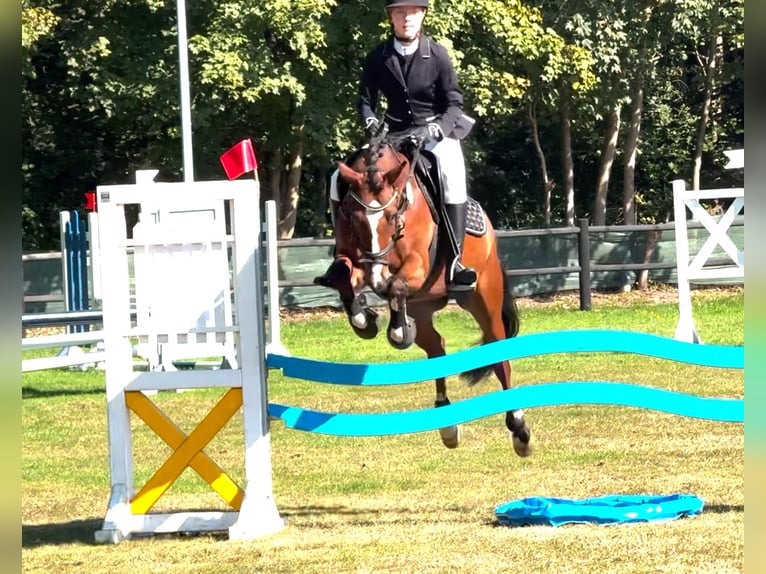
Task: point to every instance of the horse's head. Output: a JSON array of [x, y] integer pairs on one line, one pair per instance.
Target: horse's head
[[376, 198]]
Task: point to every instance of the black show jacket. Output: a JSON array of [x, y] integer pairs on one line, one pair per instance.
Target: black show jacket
[[430, 92]]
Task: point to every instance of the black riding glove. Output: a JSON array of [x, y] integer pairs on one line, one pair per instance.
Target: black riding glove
[[428, 133], [435, 132]]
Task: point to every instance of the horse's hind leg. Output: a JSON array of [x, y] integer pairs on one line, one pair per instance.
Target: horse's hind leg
[[429, 339], [493, 328], [514, 420]]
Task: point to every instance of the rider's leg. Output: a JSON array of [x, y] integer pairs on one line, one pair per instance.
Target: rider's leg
[[460, 278], [334, 198], [340, 268], [452, 163]]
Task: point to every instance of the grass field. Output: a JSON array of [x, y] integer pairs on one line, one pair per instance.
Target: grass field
[[406, 503]]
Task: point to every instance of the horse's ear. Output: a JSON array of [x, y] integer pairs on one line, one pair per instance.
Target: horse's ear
[[349, 175]]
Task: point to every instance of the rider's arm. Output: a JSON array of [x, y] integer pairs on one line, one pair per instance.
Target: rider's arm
[[368, 91], [448, 93]]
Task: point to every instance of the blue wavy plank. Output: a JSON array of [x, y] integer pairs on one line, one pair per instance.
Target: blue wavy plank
[[542, 395], [576, 341]]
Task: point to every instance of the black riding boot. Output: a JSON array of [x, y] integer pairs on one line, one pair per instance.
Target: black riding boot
[[459, 278], [336, 270]]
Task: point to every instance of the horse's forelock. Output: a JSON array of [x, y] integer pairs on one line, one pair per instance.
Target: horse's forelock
[[384, 156], [350, 174]]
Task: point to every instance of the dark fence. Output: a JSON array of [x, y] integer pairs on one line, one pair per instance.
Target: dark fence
[[539, 261]]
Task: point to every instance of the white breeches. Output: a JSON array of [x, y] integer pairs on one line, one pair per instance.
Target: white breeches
[[334, 186], [450, 155]]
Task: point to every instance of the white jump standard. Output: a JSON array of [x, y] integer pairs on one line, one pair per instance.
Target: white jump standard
[[253, 511]]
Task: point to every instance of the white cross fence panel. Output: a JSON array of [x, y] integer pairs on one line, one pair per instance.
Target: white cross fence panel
[[182, 244], [691, 269]]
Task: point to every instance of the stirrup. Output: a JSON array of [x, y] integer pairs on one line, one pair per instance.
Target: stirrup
[[463, 278]]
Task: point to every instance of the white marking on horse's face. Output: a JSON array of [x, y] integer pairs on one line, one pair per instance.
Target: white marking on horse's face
[[377, 270]]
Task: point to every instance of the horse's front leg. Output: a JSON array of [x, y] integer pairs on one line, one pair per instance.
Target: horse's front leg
[[408, 279], [401, 327], [348, 280]]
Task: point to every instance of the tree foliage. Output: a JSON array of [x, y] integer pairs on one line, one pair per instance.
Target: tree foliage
[[101, 96]]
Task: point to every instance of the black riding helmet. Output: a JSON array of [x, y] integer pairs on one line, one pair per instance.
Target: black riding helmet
[[395, 3]]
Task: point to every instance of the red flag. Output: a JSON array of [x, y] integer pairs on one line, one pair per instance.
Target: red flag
[[90, 201], [239, 160]]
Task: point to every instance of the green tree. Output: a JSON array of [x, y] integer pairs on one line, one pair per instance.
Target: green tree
[[548, 82], [511, 66], [98, 104]]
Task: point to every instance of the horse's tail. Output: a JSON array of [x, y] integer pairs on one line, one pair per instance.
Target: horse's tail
[[510, 311], [510, 314]]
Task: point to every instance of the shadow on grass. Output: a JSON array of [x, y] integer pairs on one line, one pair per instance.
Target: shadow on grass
[[84, 531], [723, 508], [287, 511], [363, 517], [74, 532], [33, 393]]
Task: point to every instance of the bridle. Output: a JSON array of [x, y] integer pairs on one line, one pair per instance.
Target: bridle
[[399, 220]]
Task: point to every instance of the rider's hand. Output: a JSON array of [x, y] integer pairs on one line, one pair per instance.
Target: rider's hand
[[371, 126], [435, 132], [424, 134]]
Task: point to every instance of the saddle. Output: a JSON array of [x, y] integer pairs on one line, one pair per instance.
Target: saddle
[[429, 175]]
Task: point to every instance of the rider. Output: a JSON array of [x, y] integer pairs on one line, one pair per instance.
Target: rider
[[416, 76]]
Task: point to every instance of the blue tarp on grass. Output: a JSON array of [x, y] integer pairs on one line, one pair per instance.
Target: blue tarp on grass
[[611, 509]]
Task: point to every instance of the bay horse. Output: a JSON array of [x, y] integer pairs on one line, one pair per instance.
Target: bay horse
[[387, 238]]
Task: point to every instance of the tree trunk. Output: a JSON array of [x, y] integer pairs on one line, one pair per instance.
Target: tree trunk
[[699, 140], [275, 178], [630, 151], [323, 194], [651, 244], [548, 185], [290, 192], [608, 153], [567, 165]]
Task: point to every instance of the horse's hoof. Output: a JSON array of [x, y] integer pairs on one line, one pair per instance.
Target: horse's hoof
[[408, 335], [451, 436], [523, 448], [372, 327]]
